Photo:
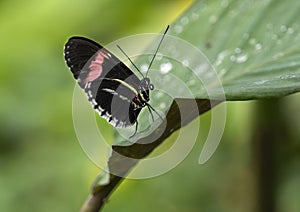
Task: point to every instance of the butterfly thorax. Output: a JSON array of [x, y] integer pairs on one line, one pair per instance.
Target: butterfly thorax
[[142, 98]]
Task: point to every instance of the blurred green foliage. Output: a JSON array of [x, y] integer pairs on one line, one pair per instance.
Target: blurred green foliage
[[42, 165]]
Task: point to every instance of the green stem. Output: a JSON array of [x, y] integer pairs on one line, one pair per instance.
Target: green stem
[[182, 112]]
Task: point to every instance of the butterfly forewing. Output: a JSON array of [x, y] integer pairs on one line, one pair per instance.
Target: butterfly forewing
[[108, 83]]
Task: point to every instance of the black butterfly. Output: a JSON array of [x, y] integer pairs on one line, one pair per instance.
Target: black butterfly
[[115, 92]]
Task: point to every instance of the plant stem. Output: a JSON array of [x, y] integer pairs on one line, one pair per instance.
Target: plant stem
[[181, 112]]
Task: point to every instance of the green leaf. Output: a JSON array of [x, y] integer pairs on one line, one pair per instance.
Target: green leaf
[[253, 45]]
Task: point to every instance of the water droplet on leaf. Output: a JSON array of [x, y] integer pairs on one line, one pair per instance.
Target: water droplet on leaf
[[165, 67]]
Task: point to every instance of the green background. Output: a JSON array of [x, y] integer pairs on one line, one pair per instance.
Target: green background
[[42, 165]]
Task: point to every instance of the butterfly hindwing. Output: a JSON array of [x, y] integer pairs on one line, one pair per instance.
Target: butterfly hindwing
[[108, 83]]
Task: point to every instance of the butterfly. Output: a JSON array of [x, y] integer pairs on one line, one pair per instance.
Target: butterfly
[[114, 91]]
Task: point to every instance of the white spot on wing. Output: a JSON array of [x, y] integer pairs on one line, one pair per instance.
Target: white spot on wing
[[124, 98], [89, 93], [108, 115], [113, 92], [99, 110], [93, 101], [114, 121]]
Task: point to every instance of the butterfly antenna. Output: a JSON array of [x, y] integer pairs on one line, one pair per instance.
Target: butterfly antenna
[[130, 60], [157, 50]]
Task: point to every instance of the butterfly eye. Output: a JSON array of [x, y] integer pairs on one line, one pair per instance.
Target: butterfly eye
[[151, 86]]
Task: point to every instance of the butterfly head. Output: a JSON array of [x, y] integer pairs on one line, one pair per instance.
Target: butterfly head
[[145, 84]]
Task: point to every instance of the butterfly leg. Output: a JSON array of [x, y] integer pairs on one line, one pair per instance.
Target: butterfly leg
[[150, 113], [136, 128], [150, 107]]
